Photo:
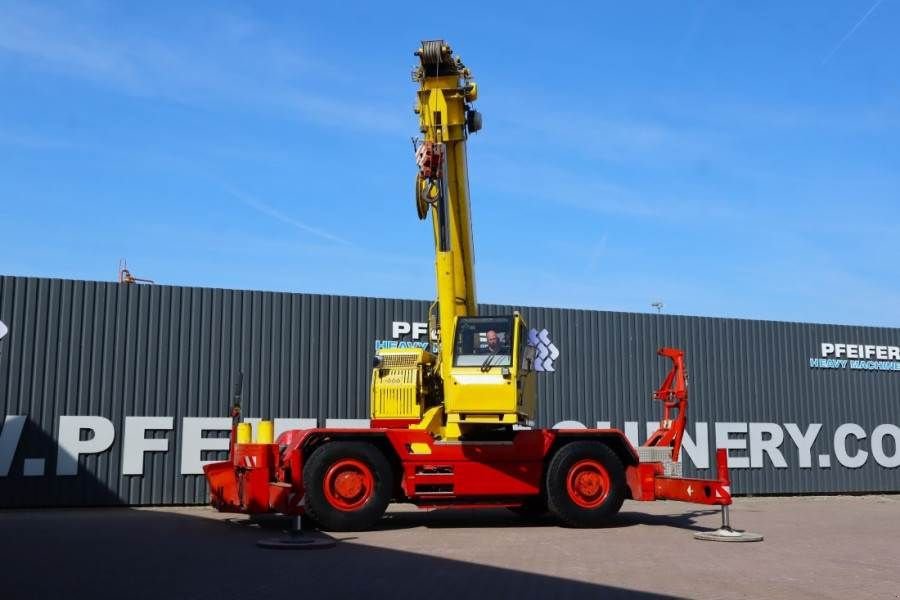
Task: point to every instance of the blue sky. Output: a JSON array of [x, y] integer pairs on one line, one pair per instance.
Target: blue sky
[[727, 158]]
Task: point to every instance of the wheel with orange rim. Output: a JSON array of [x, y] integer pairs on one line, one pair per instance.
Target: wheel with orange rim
[[348, 485], [585, 484]]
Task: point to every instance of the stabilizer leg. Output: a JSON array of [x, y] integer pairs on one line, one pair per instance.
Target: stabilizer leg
[[726, 533], [296, 540]]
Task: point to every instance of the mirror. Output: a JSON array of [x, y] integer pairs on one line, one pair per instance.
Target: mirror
[[528, 358]]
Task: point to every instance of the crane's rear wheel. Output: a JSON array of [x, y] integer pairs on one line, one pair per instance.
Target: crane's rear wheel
[[585, 484], [348, 485]]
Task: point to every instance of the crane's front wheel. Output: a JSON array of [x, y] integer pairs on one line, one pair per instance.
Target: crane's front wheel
[[585, 484], [348, 485]]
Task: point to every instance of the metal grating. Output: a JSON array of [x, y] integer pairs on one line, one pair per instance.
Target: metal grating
[[661, 455], [399, 361]]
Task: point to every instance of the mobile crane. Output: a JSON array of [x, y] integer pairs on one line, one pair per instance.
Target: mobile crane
[[453, 428]]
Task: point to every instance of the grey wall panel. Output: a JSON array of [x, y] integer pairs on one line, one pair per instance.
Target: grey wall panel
[[114, 351]]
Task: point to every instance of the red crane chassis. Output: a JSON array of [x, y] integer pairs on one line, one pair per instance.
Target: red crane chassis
[[351, 474]]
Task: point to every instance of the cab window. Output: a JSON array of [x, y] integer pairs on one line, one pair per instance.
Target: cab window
[[483, 342]]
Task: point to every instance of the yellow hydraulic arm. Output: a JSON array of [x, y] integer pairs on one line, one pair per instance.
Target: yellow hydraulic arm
[[482, 376], [446, 117]]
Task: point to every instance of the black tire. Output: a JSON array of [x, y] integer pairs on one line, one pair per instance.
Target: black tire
[[353, 512], [584, 463]]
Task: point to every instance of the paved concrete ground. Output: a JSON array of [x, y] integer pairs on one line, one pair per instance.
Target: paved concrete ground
[[836, 547]]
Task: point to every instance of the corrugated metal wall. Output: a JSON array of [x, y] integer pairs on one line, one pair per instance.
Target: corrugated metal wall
[[87, 348]]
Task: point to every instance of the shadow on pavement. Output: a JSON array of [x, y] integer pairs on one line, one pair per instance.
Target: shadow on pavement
[[447, 518], [125, 553], [685, 520]]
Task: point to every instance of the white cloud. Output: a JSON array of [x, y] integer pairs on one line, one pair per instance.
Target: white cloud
[[276, 214], [236, 62]]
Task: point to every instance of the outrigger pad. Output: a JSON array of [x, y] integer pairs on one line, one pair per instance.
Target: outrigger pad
[[727, 534], [297, 542]]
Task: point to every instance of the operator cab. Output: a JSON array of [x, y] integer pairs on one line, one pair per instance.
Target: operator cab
[[492, 377], [483, 342]]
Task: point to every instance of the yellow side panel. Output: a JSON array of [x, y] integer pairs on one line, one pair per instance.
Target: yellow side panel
[[471, 392], [395, 393]]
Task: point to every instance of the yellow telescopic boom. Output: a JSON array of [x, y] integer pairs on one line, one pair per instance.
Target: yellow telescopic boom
[[446, 117]]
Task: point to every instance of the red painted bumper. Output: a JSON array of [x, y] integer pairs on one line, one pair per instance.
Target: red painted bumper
[[648, 483]]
